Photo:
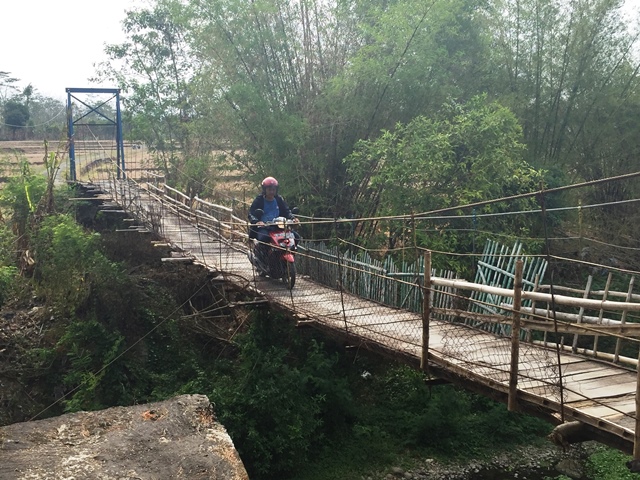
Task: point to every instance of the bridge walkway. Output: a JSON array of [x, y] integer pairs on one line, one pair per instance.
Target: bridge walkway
[[599, 394]]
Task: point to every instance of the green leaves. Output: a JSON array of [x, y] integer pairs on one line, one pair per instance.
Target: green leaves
[[21, 195], [68, 263], [8, 274], [15, 115], [277, 398], [465, 154]]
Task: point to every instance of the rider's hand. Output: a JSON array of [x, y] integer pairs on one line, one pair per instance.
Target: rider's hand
[[295, 220]]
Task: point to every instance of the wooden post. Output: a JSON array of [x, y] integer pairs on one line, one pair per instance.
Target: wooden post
[[536, 284], [426, 311], [623, 320], [587, 292], [515, 338], [636, 436], [604, 297]]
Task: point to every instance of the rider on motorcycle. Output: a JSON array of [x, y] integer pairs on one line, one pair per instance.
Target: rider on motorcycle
[[273, 206]]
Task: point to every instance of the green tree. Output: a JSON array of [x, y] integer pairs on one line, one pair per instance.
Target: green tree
[[565, 69], [8, 87], [47, 116], [293, 85], [154, 69], [465, 154], [569, 71], [16, 115]]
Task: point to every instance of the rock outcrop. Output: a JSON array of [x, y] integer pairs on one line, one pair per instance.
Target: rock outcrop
[[174, 439]]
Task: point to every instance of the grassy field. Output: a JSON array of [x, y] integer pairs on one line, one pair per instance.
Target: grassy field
[[91, 158]]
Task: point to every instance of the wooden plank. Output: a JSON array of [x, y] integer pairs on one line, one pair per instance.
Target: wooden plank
[[592, 374], [625, 404]]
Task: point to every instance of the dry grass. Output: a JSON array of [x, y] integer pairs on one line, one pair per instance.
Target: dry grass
[[96, 159], [32, 151], [12, 153]]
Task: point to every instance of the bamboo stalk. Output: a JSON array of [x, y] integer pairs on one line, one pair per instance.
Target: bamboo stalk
[[604, 298], [515, 338], [587, 290], [624, 318], [602, 355], [571, 317], [538, 296]]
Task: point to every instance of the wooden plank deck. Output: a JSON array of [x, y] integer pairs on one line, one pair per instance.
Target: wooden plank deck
[[599, 394]]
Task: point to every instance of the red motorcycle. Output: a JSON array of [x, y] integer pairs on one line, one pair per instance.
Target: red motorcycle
[[277, 258]]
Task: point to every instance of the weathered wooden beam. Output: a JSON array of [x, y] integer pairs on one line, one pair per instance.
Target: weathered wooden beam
[[91, 199], [178, 259], [426, 311], [636, 437], [512, 404], [262, 301], [435, 381]]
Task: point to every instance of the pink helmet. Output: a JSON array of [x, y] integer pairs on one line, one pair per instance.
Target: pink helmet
[[269, 182]]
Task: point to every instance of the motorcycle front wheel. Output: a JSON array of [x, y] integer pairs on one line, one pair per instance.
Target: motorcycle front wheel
[[289, 274]]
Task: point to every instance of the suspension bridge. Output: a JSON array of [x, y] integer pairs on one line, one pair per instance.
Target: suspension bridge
[[569, 355]]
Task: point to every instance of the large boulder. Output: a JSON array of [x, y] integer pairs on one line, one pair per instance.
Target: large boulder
[[174, 439]]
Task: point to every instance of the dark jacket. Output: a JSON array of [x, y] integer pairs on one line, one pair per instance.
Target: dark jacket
[[258, 204]]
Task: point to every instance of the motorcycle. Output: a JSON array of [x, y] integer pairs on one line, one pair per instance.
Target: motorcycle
[[277, 259]]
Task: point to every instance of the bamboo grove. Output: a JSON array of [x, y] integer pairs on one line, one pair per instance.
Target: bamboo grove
[[366, 108]]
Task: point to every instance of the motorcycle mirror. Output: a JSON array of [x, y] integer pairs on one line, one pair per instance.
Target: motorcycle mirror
[[295, 210], [258, 213]]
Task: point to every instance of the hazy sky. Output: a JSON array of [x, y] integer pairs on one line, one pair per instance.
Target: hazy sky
[[53, 44]]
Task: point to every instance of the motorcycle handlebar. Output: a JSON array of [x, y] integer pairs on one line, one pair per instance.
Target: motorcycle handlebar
[[279, 221]]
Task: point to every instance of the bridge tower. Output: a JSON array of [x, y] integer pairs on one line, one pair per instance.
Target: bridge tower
[[86, 116]]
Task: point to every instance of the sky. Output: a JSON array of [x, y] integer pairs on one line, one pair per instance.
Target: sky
[[63, 41]]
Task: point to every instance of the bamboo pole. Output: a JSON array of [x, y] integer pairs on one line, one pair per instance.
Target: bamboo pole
[[533, 308], [624, 318], [636, 435], [601, 355], [426, 311], [571, 317], [515, 338], [587, 290], [538, 296], [604, 298]]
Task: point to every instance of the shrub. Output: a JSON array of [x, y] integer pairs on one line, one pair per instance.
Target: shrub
[[7, 279]]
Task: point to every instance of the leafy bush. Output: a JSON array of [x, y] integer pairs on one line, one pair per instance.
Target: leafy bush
[[609, 464], [90, 349], [7, 277], [7, 245], [21, 196], [443, 419], [276, 399], [69, 265]]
